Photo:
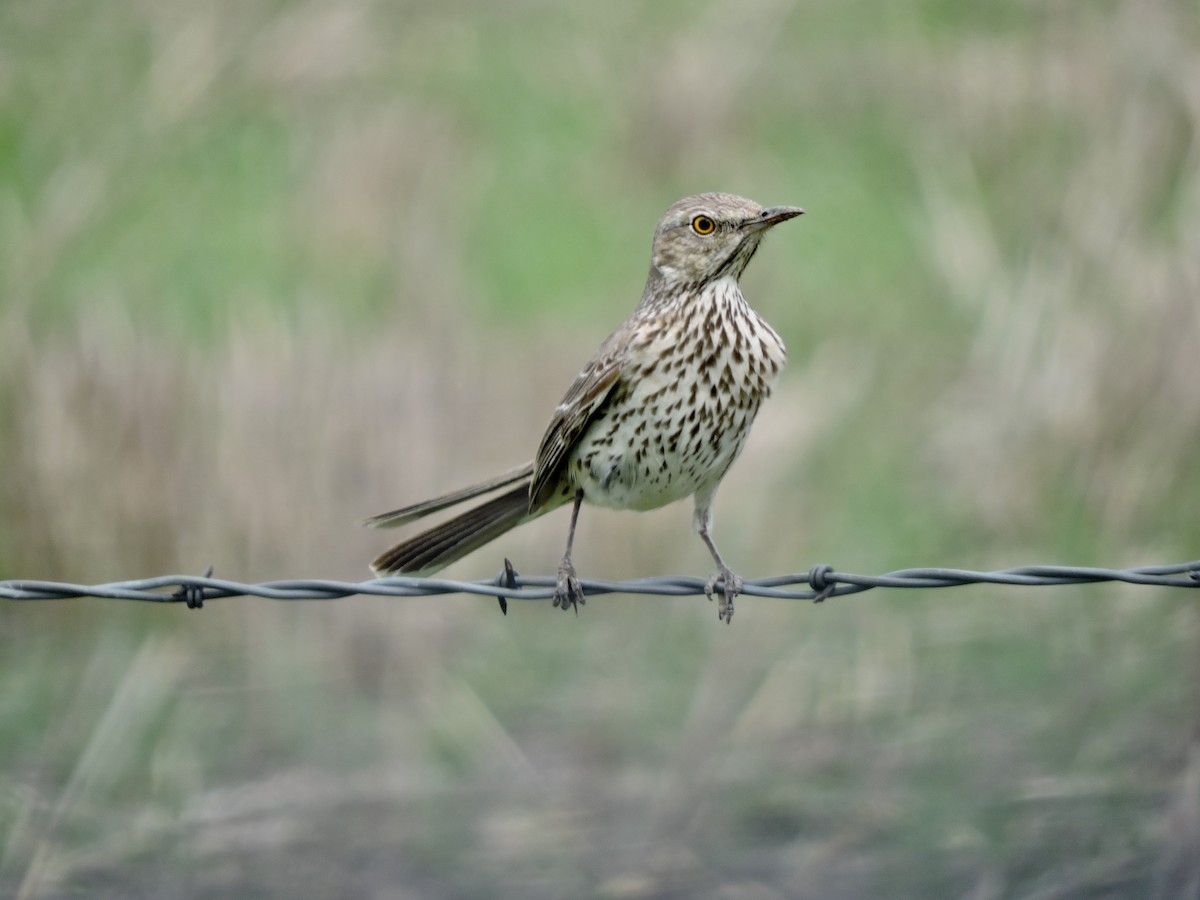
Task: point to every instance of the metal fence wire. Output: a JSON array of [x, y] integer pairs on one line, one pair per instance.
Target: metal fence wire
[[818, 584]]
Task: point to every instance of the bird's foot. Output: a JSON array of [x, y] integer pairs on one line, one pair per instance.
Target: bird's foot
[[568, 591], [731, 586]]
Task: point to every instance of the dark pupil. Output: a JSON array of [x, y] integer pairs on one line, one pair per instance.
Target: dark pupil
[[703, 224]]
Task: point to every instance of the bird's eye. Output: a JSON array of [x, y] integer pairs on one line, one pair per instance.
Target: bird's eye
[[703, 225]]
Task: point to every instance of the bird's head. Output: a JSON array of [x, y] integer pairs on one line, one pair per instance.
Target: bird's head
[[710, 236]]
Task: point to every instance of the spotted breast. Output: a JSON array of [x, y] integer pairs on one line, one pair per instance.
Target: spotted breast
[[681, 410]]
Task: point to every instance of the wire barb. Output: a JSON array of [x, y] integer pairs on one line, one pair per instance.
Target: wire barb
[[818, 584], [507, 578], [191, 594], [821, 581]]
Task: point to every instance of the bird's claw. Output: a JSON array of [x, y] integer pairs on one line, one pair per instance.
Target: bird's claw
[[568, 591], [731, 586]]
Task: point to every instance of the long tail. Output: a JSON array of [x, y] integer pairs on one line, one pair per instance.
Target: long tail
[[441, 545], [407, 514]]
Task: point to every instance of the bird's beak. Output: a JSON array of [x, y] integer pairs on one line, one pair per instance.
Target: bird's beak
[[774, 216]]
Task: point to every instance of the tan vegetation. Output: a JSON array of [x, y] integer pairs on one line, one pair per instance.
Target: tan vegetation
[[266, 270]]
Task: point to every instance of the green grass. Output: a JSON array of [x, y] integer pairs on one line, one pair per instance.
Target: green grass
[[267, 269]]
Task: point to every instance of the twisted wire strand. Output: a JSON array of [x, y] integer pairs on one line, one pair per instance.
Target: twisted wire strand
[[820, 583]]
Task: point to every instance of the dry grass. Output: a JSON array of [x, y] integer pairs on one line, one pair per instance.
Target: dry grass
[[1083, 353], [268, 271]]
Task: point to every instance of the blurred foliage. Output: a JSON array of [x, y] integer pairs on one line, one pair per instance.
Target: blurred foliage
[[266, 268]]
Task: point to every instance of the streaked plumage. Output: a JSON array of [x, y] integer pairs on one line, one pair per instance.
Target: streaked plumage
[[659, 413]]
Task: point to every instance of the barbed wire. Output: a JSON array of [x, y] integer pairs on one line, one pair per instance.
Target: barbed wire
[[820, 583]]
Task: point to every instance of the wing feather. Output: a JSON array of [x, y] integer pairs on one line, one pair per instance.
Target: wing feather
[[574, 414]]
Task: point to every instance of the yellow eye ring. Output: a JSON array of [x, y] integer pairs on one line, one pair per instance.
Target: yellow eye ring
[[703, 225]]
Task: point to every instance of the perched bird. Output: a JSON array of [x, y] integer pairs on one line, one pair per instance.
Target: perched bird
[[658, 414]]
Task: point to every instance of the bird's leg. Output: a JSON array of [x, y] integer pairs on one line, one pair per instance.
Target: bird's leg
[[568, 591], [731, 582]]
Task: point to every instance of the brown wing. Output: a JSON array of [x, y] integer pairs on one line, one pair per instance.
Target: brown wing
[[571, 419]]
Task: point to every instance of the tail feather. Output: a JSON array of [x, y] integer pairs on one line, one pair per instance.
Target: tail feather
[[443, 544], [407, 514]]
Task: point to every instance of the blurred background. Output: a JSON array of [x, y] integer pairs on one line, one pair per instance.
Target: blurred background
[[268, 268]]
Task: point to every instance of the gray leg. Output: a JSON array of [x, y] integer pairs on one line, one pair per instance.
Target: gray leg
[[568, 591], [731, 583]]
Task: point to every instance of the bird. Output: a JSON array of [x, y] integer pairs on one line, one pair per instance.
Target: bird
[[658, 414]]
